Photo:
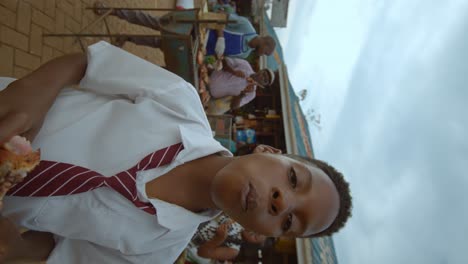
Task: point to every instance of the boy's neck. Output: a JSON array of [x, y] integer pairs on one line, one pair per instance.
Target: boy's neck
[[253, 43], [188, 185]]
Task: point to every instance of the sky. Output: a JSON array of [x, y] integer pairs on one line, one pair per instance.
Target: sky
[[389, 79]]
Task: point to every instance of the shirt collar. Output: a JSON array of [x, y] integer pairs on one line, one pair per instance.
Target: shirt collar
[[175, 217], [198, 142], [247, 39]]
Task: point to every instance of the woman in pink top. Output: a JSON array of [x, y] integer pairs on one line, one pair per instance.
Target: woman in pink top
[[238, 79]]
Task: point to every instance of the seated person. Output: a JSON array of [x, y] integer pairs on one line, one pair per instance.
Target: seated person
[[235, 40], [238, 40], [237, 79], [220, 239]]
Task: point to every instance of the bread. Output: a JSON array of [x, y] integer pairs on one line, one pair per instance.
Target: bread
[[17, 157]]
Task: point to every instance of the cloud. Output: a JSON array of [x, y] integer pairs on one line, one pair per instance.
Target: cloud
[[298, 12], [326, 54], [400, 140], [398, 131]]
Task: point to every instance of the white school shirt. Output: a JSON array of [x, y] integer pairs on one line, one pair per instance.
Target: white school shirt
[[129, 109]]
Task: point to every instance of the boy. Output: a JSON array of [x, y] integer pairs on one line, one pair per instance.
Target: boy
[[127, 109]]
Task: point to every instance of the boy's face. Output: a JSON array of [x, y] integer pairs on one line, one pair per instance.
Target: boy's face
[[275, 195]]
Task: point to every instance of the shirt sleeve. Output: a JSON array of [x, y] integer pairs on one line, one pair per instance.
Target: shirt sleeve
[[243, 55], [232, 62], [247, 98], [83, 233], [243, 25], [246, 67], [72, 251], [113, 71], [4, 82]]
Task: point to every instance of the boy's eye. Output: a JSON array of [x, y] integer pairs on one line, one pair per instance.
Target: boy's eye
[[287, 224], [293, 178]]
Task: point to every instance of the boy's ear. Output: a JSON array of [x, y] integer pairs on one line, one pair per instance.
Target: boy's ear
[[266, 149]]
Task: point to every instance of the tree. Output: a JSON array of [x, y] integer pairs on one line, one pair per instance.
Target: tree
[[314, 118], [303, 94]]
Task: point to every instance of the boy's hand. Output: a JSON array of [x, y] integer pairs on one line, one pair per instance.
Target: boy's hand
[[266, 149], [9, 236], [25, 102], [6, 183], [239, 74], [249, 88], [20, 112], [222, 231]]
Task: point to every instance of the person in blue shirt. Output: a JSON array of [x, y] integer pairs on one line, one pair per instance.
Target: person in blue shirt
[[238, 40]]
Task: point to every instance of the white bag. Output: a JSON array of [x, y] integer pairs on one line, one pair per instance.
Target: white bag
[[184, 4]]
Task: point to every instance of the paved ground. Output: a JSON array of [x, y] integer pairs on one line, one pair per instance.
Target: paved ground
[[22, 23]]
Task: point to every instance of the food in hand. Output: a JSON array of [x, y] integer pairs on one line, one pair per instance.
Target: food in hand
[[17, 159], [18, 156]]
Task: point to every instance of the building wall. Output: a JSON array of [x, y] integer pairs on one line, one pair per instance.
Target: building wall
[[279, 14]]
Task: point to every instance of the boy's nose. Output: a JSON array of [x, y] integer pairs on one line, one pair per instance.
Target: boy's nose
[[277, 202]]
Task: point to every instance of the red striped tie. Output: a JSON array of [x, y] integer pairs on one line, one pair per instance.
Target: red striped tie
[[52, 178]]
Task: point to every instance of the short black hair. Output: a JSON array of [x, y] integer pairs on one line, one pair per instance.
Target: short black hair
[[342, 186], [270, 42]]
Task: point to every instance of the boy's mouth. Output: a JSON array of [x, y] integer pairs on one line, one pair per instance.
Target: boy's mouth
[[249, 198]]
